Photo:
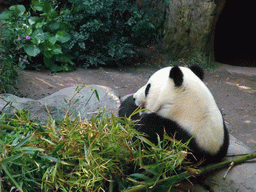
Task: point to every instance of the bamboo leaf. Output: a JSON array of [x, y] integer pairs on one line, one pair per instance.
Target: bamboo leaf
[[97, 94], [54, 159], [23, 142], [57, 148], [76, 101], [7, 127], [88, 99], [145, 140], [168, 182], [30, 150], [11, 159], [140, 176], [7, 171]]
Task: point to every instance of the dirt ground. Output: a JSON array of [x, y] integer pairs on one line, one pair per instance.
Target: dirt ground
[[234, 88]]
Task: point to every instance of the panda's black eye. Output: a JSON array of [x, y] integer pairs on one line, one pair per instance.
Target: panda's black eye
[[147, 89]]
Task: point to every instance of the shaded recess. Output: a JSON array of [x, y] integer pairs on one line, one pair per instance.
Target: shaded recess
[[235, 34]]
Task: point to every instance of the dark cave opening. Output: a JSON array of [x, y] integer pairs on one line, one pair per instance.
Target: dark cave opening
[[235, 34]]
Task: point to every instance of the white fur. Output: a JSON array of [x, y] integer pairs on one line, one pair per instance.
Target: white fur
[[191, 105]]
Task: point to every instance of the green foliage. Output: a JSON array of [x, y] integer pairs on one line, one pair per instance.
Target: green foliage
[[8, 75], [41, 36], [10, 32], [203, 60], [196, 58], [85, 32], [106, 31], [96, 155]]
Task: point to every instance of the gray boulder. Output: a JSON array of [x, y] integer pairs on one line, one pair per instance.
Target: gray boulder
[[85, 103]]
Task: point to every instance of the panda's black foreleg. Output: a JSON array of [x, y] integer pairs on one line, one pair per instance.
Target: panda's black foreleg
[[151, 125], [148, 123], [127, 107]]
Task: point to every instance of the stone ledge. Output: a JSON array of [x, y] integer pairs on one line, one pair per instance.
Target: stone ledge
[[55, 105]]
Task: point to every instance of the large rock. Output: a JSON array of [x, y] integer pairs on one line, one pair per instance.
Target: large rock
[[84, 103]]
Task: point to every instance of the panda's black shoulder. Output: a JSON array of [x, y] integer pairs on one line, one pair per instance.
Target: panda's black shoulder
[[198, 70]]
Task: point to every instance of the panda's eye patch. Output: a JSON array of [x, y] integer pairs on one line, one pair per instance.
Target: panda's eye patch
[[147, 89]]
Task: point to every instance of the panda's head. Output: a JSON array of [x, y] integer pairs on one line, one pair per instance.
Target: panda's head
[[169, 86]]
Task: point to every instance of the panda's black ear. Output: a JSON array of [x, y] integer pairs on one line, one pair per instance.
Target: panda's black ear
[[199, 71], [177, 75]]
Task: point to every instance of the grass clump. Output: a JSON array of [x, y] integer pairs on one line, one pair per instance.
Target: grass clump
[[93, 155]]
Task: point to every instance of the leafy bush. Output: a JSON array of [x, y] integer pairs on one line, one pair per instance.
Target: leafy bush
[[196, 58], [29, 36], [8, 75], [90, 33], [96, 155], [105, 31]]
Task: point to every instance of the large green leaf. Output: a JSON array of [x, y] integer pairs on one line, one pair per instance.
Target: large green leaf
[[64, 58], [19, 8], [5, 15], [47, 7], [53, 39], [41, 37], [47, 54], [57, 49], [40, 24], [50, 64], [54, 26], [63, 36], [32, 50], [38, 6], [32, 20], [29, 30]]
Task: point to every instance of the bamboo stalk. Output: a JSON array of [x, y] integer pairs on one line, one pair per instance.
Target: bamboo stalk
[[7, 127], [185, 175]]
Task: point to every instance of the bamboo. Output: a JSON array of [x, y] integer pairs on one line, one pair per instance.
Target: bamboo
[[185, 175], [7, 127]]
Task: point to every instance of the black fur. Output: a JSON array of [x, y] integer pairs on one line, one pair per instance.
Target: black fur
[[199, 71], [177, 75], [153, 125], [127, 108], [147, 89]]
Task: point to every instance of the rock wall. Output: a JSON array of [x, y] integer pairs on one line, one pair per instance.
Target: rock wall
[[188, 24]]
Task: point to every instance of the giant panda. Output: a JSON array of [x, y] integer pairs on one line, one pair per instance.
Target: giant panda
[[180, 104]]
